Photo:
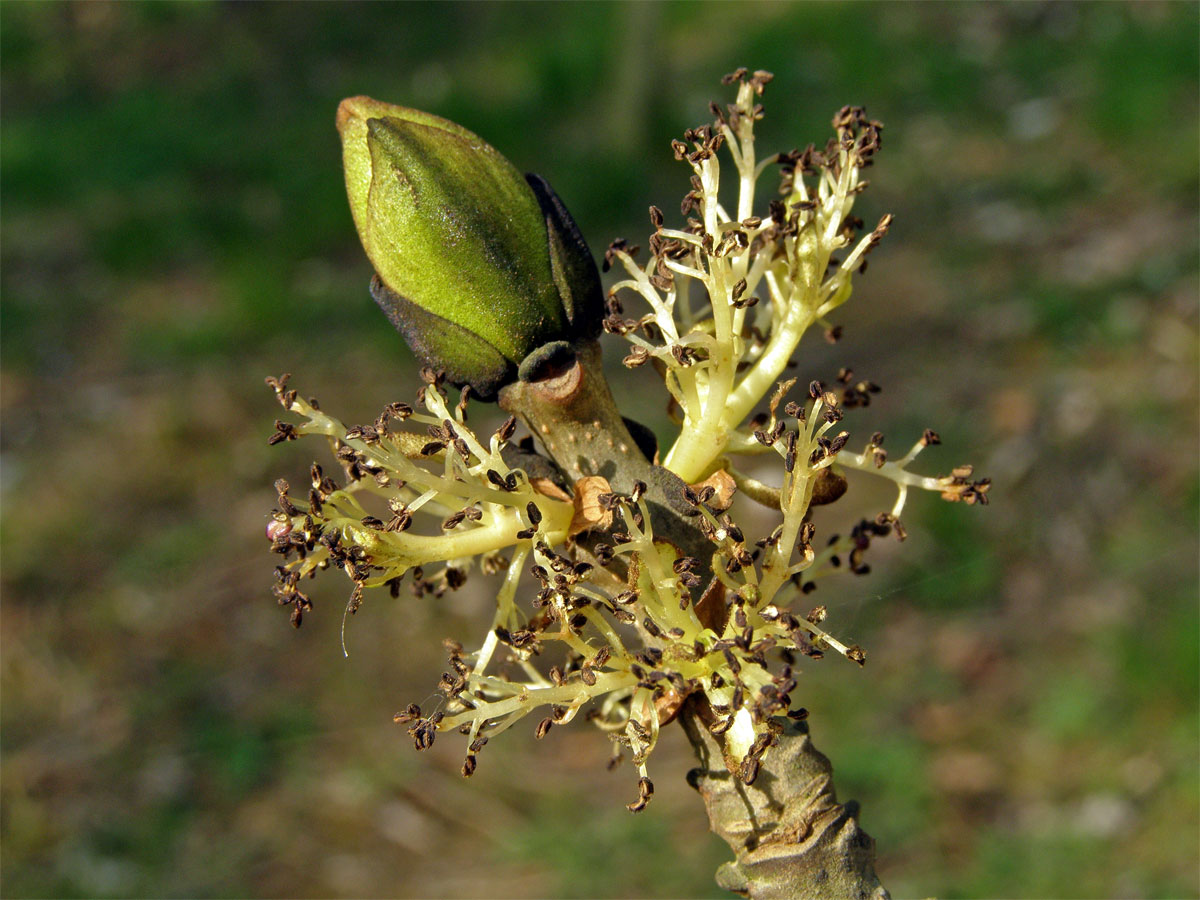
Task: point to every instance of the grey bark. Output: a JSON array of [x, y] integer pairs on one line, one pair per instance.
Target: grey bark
[[790, 836]]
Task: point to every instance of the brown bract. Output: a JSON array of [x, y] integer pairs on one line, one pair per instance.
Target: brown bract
[[723, 489], [589, 513]]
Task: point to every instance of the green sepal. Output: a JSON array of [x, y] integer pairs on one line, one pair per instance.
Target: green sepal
[[464, 358], [456, 230], [571, 263]]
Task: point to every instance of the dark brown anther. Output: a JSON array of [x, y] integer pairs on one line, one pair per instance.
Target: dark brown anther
[[505, 432], [645, 790], [930, 437], [423, 735], [401, 521], [760, 79], [410, 713], [749, 770], [732, 661], [720, 726], [543, 728], [656, 217], [684, 564], [283, 432], [760, 746], [638, 356], [878, 234], [620, 245], [732, 531], [398, 410], [535, 514], [683, 355], [368, 434], [279, 385], [460, 409], [739, 694]]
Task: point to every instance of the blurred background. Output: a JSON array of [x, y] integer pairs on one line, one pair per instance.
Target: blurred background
[[174, 229]]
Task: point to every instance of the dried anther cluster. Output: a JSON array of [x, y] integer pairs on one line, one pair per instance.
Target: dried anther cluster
[[595, 614]]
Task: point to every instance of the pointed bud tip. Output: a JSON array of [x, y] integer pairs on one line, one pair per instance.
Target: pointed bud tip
[[358, 110], [349, 109]]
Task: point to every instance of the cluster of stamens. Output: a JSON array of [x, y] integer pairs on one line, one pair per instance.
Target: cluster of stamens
[[593, 615]]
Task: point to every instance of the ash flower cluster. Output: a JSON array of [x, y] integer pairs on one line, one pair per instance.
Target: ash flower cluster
[[594, 616]]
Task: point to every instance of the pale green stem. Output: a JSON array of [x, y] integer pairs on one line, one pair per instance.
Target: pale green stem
[[533, 698]]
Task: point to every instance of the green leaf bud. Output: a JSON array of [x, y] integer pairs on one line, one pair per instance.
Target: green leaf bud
[[476, 265]]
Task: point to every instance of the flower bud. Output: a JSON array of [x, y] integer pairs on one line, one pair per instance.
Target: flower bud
[[475, 265]]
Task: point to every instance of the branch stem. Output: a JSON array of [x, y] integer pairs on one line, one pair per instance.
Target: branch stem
[[790, 836]]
